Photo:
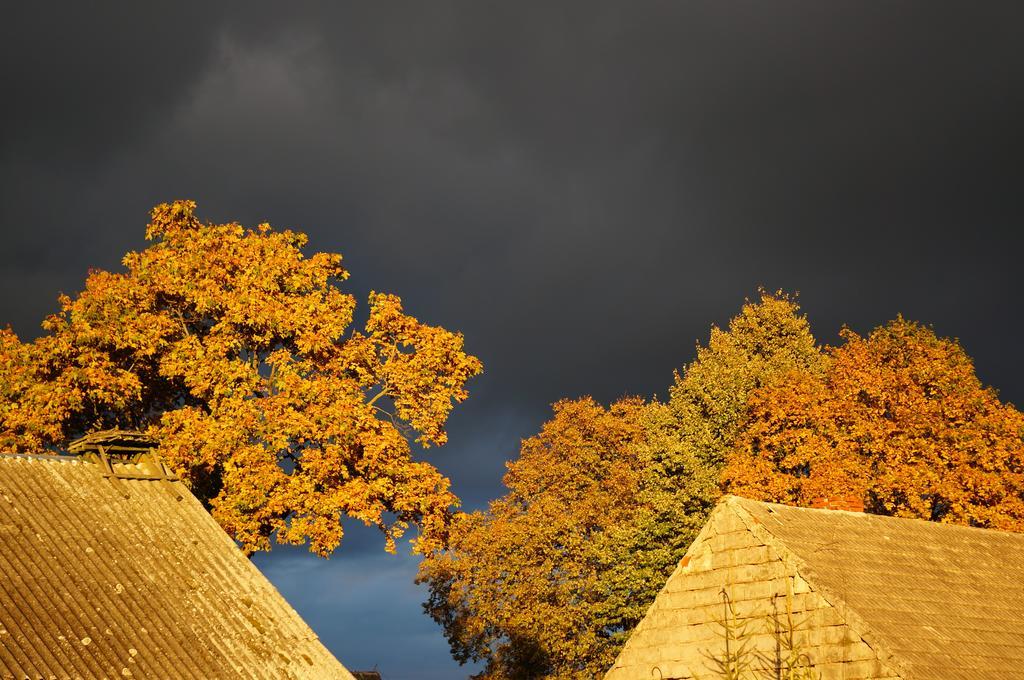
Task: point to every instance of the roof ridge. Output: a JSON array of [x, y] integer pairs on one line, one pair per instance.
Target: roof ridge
[[872, 516], [56, 457], [857, 623]]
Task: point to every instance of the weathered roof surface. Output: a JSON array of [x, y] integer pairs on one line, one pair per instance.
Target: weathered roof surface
[[947, 601], [95, 584]]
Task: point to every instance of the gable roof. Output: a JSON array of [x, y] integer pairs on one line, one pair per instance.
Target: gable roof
[[946, 601], [119, 577], [895, 598]]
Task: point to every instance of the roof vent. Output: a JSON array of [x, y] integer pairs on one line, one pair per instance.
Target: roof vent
[[124, 454], [113, 441]]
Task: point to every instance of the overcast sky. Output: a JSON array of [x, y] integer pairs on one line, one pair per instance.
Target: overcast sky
[[582, 188]]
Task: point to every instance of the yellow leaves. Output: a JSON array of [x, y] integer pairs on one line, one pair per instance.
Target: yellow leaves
[[235, 349], [169, 218], [422, 369]]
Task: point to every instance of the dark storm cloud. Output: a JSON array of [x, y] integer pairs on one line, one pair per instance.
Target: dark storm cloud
[[582, 188], [352, 602], [84, 77]]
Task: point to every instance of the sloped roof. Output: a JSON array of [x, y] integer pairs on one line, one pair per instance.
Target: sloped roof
[[103, 578], [946, 601]]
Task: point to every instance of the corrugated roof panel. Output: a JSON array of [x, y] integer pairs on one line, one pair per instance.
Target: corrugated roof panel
[[95, 584]]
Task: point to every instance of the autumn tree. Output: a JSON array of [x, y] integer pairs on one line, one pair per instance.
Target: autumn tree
[[765, 342], [521, 585], [677, 490], [685, 441], [602, 504], [900, 419], [237, 351]]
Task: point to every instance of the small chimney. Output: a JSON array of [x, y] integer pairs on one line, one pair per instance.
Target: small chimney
[[850, 503]]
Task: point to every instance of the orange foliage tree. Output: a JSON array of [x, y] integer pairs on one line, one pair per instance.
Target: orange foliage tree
[[898, 418], [764, 343], [602, 504], [235, 350], [521, 585]]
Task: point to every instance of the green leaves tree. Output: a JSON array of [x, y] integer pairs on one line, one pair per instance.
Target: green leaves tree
[[602, 504]]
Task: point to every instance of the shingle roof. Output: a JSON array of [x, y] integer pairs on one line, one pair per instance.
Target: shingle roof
[[103, 578], [946, 601]]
